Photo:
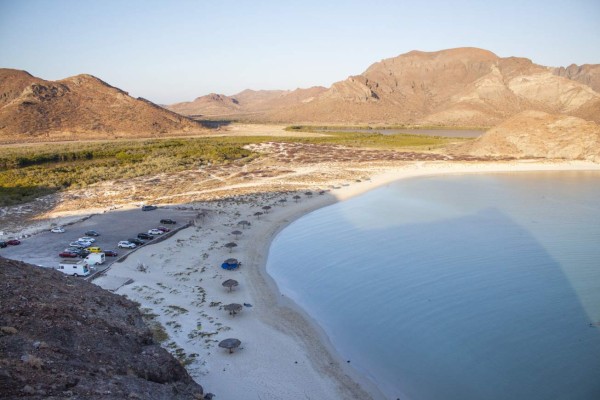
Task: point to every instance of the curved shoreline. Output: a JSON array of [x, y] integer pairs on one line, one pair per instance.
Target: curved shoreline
[[286, 354], [274, 299]]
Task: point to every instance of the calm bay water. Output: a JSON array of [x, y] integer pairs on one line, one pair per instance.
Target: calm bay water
[[457, 287]]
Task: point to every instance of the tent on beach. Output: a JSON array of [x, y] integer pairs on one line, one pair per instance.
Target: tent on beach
[[231, 263]]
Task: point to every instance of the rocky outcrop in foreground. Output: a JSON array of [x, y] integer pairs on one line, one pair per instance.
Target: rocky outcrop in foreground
[[62, 337]]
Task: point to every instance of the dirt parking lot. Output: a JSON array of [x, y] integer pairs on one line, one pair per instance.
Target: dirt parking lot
[[42, 249]]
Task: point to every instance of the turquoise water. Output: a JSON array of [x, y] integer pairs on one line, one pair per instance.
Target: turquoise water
[[457, 287]]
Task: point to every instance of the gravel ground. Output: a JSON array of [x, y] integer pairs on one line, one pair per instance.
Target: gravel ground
[[42, 249]]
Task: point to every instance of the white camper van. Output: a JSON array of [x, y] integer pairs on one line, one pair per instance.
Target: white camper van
[[95, 259], [73, 267]]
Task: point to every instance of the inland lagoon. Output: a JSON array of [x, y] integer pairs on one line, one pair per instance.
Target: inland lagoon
[[457, 287]]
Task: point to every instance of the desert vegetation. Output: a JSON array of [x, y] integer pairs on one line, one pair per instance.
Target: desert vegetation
[[34, 170]]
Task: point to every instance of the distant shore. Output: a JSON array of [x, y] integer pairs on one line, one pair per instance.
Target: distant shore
[[285, 354]]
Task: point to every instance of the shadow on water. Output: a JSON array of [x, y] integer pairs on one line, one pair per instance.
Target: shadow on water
[[467, 308]]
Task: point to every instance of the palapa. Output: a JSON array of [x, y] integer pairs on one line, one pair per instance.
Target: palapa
[[231, 245], [230, 344], [244, 224], [230, 283]]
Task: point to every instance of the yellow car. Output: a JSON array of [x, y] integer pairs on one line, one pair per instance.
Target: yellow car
[[94, 249]]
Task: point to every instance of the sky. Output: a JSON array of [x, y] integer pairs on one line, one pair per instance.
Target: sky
[[172, 51]]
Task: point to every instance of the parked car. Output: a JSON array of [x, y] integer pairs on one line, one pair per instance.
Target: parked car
[[144, 236], [149, 208], [92, 233], [13, 242], [164, 229], [136, 241], [124, 244], [79, 245], [71, 249], [3, 244], [86, 239], [155, 232], [68, 254], [110, 253], [94, 249], [84, 243], [57, 229], [167, 221]]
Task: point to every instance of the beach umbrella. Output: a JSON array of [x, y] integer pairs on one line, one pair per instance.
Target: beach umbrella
[[258, 214], [230, 344], [236, 233], [309, 194], [266, 208], [233, 308], [230, 283], [296, 198], [231, 245], [244, 224], [283, 201]]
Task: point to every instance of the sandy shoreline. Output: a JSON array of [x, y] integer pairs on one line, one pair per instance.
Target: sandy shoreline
[[285, 354]]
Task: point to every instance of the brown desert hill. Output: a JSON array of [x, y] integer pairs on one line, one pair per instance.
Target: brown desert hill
[[455, 87], [80, 107], [464, 86], [211, 104], [588, 74], [538, 134], [62, 337], [246, 102]]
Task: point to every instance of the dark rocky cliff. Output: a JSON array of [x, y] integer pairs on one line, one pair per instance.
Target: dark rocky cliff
[[62, 337]]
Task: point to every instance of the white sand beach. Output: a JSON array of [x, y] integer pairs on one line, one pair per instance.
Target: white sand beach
[[283, 354]]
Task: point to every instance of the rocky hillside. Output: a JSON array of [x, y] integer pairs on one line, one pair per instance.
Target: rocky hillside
[[460, 87], [79, 107], [62, 337], [588, 74], [538, 134], [248, 102]]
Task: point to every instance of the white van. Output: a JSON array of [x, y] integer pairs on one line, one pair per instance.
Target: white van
[[75, 268], [95, 258]]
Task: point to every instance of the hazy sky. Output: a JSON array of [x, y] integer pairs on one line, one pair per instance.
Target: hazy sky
[[170, 51]]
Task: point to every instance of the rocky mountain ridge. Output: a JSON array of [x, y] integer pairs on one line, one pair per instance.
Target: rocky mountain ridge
[[455, 87], [79, 107]]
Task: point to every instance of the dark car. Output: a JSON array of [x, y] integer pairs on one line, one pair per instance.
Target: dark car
[[13, 242], [144, 236], [92, 233], [3, 243], [110, 253], [78, 251], [68, 254], [168, 221], [163, 228], [149, 208], [136, 241]]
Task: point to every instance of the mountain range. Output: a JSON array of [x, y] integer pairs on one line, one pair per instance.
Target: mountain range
[[79, 107], [455, 87]]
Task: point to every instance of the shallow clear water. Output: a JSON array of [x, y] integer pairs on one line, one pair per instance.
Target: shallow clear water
[[457, 287]]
